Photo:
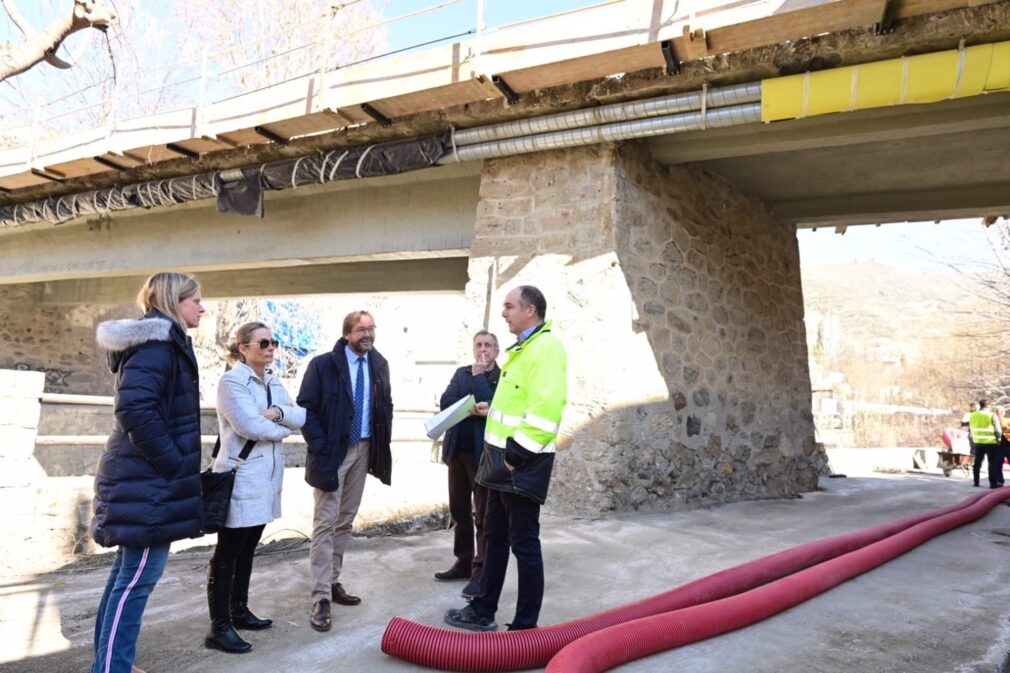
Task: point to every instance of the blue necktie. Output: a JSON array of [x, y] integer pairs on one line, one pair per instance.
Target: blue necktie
[[359, 402]]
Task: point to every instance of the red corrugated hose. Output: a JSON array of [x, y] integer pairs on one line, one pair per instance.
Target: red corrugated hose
[[519, 650], [632, 640]]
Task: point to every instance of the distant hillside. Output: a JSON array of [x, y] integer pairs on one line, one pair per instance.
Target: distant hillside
[[876, 333], [862, 287]]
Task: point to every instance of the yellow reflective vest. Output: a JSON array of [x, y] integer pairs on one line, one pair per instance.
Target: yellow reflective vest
[[524, 417], [531, 395], [982, 425]]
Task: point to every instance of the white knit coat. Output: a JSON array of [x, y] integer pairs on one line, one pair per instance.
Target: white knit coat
[[241, 397]]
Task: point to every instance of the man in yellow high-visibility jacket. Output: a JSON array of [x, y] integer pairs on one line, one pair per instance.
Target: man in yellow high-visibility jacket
[[986, 432], [519, 441]]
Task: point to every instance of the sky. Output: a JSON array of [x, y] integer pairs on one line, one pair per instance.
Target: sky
[[461, 17], [919, 247]]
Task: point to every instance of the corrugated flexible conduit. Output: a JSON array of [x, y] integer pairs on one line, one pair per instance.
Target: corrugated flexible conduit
[[605, 649], [519, 650], [734, 115], [690, 101]]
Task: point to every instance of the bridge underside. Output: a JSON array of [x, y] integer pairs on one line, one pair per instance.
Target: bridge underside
[[909, 163], [314, 240], [923, 162]]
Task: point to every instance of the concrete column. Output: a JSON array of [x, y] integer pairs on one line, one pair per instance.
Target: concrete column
[[679, 300], [19, 423]]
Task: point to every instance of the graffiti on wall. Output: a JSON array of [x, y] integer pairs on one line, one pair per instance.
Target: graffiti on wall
[[294, 323], [296, 328], [54, 377]]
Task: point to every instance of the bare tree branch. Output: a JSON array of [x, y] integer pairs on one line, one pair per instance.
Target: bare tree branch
[[42, 45]]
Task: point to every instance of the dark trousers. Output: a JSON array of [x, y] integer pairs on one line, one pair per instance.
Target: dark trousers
[[977, 450], [467, 518], [512, 522], [1003, 453], [235, 549], [994, 457]]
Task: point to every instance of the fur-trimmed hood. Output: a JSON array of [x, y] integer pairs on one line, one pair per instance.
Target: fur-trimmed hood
[[119, 335]]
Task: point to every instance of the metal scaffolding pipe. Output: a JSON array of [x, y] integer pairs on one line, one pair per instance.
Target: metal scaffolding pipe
[[653, 107]]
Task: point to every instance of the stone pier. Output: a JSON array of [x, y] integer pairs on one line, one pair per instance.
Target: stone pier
[[679, 300]]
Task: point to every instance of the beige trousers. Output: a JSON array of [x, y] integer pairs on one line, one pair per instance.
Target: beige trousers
[[333, 518]]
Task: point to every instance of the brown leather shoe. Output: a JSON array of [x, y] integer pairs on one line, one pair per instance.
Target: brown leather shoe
[[341, 596], [319, 616], [456, 572]]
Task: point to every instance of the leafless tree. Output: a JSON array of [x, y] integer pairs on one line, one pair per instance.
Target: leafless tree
[[988, 345], [185, 53], [41, 45], [258, 43]]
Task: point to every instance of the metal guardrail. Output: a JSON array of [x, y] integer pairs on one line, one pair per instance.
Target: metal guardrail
[[99, 440], [108, 401], [98, 400]]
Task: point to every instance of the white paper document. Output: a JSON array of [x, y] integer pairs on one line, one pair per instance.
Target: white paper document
[[449, 417]]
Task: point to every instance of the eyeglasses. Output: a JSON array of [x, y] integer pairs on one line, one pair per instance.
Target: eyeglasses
[[263, 343], [364, 330]]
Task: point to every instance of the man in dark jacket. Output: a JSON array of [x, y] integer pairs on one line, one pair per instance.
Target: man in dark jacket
[[461, 451], [348, 420]]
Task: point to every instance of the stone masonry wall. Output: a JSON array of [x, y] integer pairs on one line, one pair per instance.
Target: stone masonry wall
[[679, 301], [58, 340]]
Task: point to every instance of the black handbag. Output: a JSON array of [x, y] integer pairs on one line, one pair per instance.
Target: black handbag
[[217, 486]]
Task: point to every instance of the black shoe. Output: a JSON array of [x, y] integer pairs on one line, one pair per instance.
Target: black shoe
[[453, 573], [471, 589], [517, 627], [468, 619], [243, 618], [223, 637]]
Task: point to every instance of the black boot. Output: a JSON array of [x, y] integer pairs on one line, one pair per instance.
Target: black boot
[[222, 635], [241, 616]]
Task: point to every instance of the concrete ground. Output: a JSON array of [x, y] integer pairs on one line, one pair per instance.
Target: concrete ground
[[941, 608]]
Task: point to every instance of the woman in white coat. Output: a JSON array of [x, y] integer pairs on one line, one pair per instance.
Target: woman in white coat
[[251, 405]]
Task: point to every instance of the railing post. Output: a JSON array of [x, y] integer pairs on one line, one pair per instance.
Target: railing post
[[201, 97], [36, 122], [478, 41], [319, 102], [110, 117]]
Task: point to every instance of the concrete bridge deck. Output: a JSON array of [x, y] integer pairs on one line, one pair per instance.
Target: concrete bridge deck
[[940, 608]]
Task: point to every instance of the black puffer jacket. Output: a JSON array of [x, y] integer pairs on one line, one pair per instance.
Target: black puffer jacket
[[147, 488]]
